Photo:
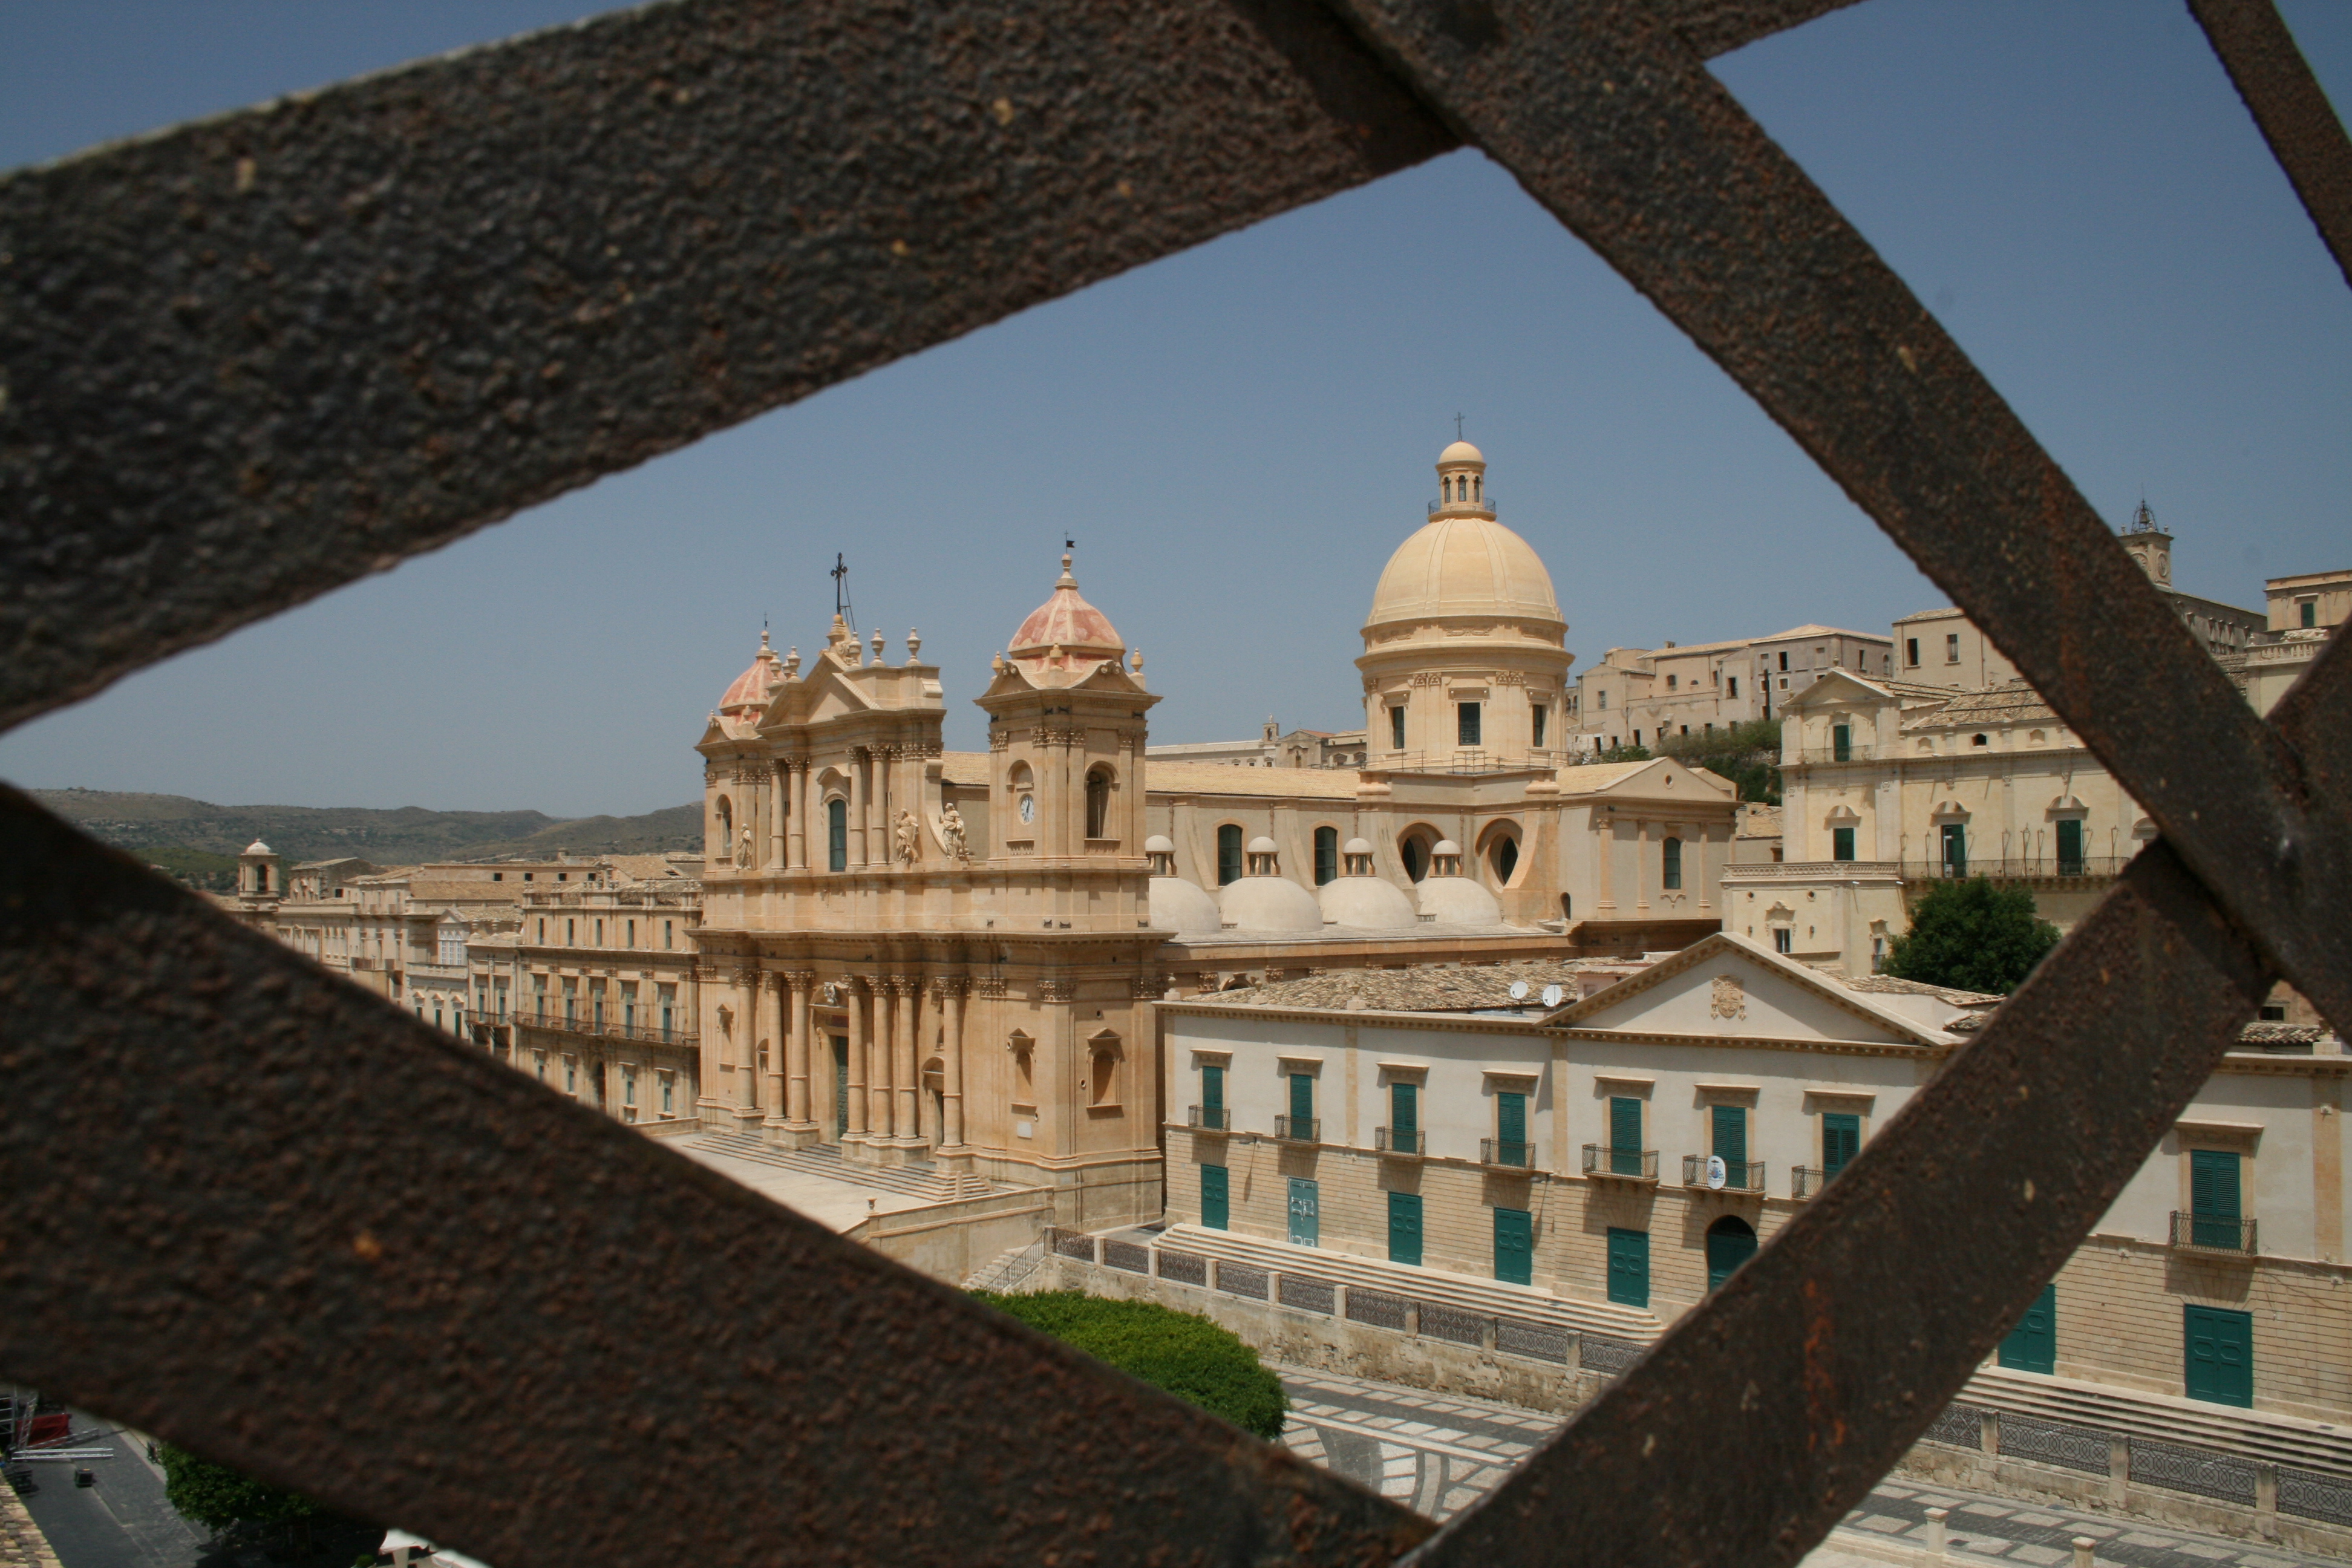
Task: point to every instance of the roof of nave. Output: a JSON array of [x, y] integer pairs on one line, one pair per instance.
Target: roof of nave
[[2011, 702], [1588, 776], [1681, 648], [1165, 777], [963, 767], [647, 868], [1430, 989], [1888, 985]]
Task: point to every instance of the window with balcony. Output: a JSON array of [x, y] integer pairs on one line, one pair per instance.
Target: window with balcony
[[1299, 1126], [1841, 743], [1211, 1113], [2069, 835], [1510, 1147], [1955, 847], [1403, 1134], [1841, 1141], [2215, 1213]]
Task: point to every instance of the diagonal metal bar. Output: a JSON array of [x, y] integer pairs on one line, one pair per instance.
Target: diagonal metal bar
[[254, 1209], [246, 361], [1613, 124], [2287, 102]]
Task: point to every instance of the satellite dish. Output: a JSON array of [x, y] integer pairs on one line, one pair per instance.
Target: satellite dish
[[1519, 990], [1552, 995], [1715, 1174]]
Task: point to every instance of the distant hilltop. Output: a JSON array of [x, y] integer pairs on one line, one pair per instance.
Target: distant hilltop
[[186, 836]]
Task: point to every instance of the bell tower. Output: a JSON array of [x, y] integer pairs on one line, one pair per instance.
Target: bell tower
[[2150, 545]]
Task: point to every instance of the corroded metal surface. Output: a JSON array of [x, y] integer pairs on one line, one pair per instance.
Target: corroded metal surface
[[253, 1208], [2287, 102]]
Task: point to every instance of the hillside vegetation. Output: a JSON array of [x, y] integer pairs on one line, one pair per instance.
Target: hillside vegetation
[[178, 833]]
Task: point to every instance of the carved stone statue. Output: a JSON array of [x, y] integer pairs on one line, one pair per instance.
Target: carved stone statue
[[743, 851], [904, 837], [951, 834]]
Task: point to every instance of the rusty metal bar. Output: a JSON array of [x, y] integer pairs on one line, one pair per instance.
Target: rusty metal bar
[[1614, 123], [2287, 102], [255, 1209]]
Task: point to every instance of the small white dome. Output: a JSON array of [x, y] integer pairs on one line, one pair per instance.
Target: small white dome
[[1159, 844], [1356, 846], [1179, 905], [1460, 452], [1446, 847], [1458, 900], [1373, 903], [258, 847], [1269, 903], [1262, 845]]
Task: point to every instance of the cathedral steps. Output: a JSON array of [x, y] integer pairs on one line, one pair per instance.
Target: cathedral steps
[[923, 1180], [1010, 1269], [2250, 1434]]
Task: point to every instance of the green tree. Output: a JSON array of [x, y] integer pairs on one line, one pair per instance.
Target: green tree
[[1747, 754], [1620, 753], [1972, 936], [218, 1496], [1182, 1353]]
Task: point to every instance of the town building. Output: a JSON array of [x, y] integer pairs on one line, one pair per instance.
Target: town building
[[1647, 697], [1612, 1158]]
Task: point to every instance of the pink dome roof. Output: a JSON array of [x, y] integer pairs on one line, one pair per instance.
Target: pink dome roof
[[751, 687], [1067, 622]]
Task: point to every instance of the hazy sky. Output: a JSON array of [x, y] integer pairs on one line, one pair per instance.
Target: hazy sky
[[1237, 437]]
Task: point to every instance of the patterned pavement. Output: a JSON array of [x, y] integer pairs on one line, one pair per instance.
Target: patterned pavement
[[1437, 1453]]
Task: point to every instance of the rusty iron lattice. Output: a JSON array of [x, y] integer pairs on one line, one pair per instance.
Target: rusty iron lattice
[[244, 361]]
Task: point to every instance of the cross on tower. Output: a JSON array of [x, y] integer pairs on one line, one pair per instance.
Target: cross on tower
[[1457, 427]]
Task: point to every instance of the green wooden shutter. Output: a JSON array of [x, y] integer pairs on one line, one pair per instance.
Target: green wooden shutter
[[2032, 1345], [1302, 1104], [1216, 1203], [1628, 1266], [1732, 1142], [1841, 843], [1842, 743], [2218, 1345], [1514, 1247], [1404, 1114], [1625, 1135], [1841, 1142], [1511, 1125], [2070, 846], [2213, 1197], [1213, 1091], [1405, 1227]]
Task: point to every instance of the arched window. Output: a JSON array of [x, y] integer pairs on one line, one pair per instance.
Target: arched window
[[1326, 854], [1504, 857], [1673, 878], [1098, 804], [1730, 1242], [1415, 856], [837, 832], [725, 811], [1228, 854]]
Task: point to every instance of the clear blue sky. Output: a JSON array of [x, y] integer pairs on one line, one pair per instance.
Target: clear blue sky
[[1239, 436]]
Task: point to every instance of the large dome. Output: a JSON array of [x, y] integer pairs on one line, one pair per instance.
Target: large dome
[[1464, 565]]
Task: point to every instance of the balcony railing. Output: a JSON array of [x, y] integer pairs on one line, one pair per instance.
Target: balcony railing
[[1465, 759], [1409, 1140], [650, 1036], [1298, 1129], [1623, 1164], [1808, 871], [1507, 1153], [2210, 1233], [1484, 503], [1806, 1182], [1837, 753], [1739, 1175], [2033, 866], [1210, 1119]]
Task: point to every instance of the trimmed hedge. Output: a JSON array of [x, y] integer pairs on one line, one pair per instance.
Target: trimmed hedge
[[1182, 1353]]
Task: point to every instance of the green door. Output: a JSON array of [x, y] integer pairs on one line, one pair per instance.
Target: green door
[[2220, 1354], [1514, 1247], [1216, 1202], [1842, 743], [1212, 1096], [2032, 1345], [1841, 1142], [1405, 1227], [1628, 1266], [2069, 848], [2213, 1211], [1305, 1217], [840, 1085], [1730, 1242], [1404, 1117], [1841, 843], [1731, 1143], [1956, 849], [1302, 1106], [1511, 1131], [1625, 1136]]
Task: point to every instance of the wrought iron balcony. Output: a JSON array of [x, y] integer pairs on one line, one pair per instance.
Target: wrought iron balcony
[[1408, 1140], [1507, 1153], [1298, 1129], [1623, 1164], [2212, 1233], [1836, 754], [592, 1029], [1210, 1119], [2017, 867], [1739, 1175], [1806, 1182]]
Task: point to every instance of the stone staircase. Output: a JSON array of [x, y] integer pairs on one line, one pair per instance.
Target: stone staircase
[[1463, 1292], [922, 1180], [2249, 1434], [1009, 1270]]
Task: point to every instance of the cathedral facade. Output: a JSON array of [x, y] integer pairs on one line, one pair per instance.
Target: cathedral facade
[[950, 958]]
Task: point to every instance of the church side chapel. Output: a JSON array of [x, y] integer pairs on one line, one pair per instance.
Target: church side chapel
[[912, 956]]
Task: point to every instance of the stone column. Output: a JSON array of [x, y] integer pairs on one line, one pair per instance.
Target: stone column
[[877, 1077], [906, 1076], [1640, 868], [778, 1010], [796, 1086], [951, 1065], [710, 1094], [798, 849], [747, 1035], [780, 797], [1605, 838], [856, 809], [853, 996]]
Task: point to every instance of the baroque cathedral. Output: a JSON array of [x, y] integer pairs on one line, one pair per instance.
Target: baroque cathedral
[[950, 958]]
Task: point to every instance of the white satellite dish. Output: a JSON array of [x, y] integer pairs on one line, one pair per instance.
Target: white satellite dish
[[1552, 996], [1519, 990], [1715, 1174]]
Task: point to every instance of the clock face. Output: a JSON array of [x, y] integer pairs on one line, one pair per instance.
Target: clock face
[[1028, 808]]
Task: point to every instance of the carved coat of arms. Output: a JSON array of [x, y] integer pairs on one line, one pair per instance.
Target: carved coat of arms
[[1730, 999]]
